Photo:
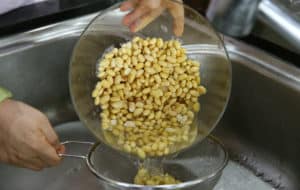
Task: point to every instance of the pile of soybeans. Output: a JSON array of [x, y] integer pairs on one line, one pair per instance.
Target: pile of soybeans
[[145, 177], [148, 92]]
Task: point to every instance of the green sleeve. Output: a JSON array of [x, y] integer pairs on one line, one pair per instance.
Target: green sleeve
[[4, 94]]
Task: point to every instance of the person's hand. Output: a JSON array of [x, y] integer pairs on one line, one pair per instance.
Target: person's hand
[[145, 11], [26, 137]]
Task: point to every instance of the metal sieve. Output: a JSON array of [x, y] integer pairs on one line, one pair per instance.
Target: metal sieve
[[199, 167]]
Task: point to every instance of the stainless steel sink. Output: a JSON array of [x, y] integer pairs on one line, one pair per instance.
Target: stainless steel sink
[[260, 128]]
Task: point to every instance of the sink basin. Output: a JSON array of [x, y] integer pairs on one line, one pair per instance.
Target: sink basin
[[260, 128]]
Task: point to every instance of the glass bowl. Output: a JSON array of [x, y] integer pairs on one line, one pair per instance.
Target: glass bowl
[[200, 40]]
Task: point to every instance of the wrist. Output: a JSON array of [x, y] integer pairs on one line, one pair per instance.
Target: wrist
[[4, 94]]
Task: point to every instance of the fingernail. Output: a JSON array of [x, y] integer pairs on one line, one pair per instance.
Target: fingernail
[[62, 149]]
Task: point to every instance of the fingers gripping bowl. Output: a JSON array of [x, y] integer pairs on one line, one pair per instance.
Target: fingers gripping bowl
[[201, 42]]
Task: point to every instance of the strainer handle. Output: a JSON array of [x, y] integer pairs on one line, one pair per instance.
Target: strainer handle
[[75, 155]]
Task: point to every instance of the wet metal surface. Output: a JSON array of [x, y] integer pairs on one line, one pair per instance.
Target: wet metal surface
[[260, 127]]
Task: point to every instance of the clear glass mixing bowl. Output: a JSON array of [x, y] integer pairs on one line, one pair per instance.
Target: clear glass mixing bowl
[[200, 40], [201, 164]]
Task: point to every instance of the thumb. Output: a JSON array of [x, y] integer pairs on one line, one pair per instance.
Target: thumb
[[61, 149], [177, 11], [52, 138], [50, 135]]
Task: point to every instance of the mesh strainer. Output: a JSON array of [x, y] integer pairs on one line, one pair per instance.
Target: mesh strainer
[[198, 168]]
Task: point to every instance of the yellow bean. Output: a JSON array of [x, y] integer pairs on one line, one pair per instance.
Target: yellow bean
[[139, 73], [202, 90], [139, 66], [141, 153], [137, 111], [131, 76]]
